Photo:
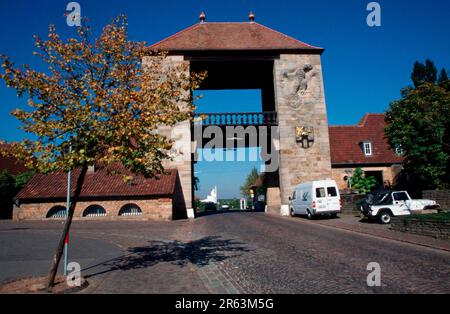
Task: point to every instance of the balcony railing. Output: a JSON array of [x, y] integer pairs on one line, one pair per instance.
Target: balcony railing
[[266, 118]]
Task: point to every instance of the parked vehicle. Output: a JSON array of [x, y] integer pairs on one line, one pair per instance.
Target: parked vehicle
[[383, 205], [225, 206], [316, 198], [210, 206]]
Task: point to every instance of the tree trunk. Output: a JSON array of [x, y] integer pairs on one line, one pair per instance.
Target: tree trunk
[[60, 248]]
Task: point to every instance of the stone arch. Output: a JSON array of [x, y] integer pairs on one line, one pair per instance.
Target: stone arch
[[58, 211], [94, 211], [130, 210]]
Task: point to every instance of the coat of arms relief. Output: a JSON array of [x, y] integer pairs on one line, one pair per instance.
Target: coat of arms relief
[[305, 136], [301, 84]]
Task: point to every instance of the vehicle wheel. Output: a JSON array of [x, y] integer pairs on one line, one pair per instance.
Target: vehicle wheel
[[310, 216], [385, 217], [292, 212], [334, 216]]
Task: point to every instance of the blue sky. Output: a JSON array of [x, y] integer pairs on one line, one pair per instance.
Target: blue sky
[[364, 68]]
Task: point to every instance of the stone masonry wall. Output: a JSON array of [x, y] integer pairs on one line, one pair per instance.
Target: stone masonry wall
[[154, 209], [427, 227], [441, 197], [300, 102], [349, 203], [181, 135]]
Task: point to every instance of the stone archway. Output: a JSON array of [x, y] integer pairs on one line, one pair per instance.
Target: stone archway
[[289, 74]]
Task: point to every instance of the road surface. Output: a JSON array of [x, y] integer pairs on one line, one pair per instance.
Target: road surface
[[226, 253]]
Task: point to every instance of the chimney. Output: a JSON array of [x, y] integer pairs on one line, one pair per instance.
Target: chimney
[[202, 17], [91, 169], [251, 17]]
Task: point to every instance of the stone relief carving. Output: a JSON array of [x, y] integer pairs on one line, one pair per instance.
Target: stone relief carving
[[300, 83]]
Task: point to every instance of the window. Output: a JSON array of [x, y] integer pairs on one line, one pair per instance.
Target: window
[[130, 210], [332, 192], [57, 212], [294, 196], [367, 146], [320, 193], [401, 196], [94, 211]]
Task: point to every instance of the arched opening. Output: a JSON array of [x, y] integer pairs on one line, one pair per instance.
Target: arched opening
[[57, 212], [130, 210], [94, 211]]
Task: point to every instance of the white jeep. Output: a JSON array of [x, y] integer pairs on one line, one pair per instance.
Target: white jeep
[[386, 204]]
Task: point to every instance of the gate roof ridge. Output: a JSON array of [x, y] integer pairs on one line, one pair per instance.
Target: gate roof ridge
[[231, 36]]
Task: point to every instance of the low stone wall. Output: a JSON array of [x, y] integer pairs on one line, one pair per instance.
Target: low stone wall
[[349, 202], [442, 197], [428, 227]]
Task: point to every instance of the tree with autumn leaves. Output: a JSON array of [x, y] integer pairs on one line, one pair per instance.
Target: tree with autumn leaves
[[98, 103]]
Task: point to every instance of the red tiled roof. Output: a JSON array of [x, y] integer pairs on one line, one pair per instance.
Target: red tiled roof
[[345, 142], [98, 184], [230, 36], [11, 164]]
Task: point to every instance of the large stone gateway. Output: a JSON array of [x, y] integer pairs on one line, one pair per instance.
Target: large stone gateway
[[291, 128], [289, 74]]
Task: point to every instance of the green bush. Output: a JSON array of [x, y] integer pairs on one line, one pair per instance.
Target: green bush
[[362, 183]]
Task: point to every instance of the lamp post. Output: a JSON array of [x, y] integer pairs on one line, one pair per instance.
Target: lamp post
[[66, 244]]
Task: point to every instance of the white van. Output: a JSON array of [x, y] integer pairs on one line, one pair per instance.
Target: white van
[[316, 198]]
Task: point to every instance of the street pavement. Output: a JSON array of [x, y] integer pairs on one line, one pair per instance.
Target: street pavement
[[232, 253]]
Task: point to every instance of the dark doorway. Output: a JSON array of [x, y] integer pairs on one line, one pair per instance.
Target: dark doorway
[[378, 175]]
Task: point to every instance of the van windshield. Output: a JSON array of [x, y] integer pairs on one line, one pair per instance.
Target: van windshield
[[320, 193], [332, 192]]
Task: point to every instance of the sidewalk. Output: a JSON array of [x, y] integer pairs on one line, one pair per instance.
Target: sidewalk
[[356, 224]]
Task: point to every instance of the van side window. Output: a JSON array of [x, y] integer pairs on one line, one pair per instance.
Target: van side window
[[294, 196], [400, 196], [332, 192], [320, 193]]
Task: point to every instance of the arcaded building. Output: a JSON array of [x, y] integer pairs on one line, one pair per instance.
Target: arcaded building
[[103, 196]]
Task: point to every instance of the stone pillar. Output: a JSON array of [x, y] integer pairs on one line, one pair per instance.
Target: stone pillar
[[303, 128], [182, 149]]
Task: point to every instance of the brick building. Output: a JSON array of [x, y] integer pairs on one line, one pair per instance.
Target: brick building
[[364, 145], [103, 196]]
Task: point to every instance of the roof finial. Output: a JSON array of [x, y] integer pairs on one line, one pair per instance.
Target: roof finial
[[251, 17], [202, 17]]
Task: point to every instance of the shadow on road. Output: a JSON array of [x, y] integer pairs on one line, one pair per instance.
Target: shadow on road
[[227, 211], [198, 252]]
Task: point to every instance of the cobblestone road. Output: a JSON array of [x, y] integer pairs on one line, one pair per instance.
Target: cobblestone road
[[292, 255], [233, 253]]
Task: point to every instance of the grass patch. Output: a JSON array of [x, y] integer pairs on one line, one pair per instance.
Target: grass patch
[[440, 217]]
